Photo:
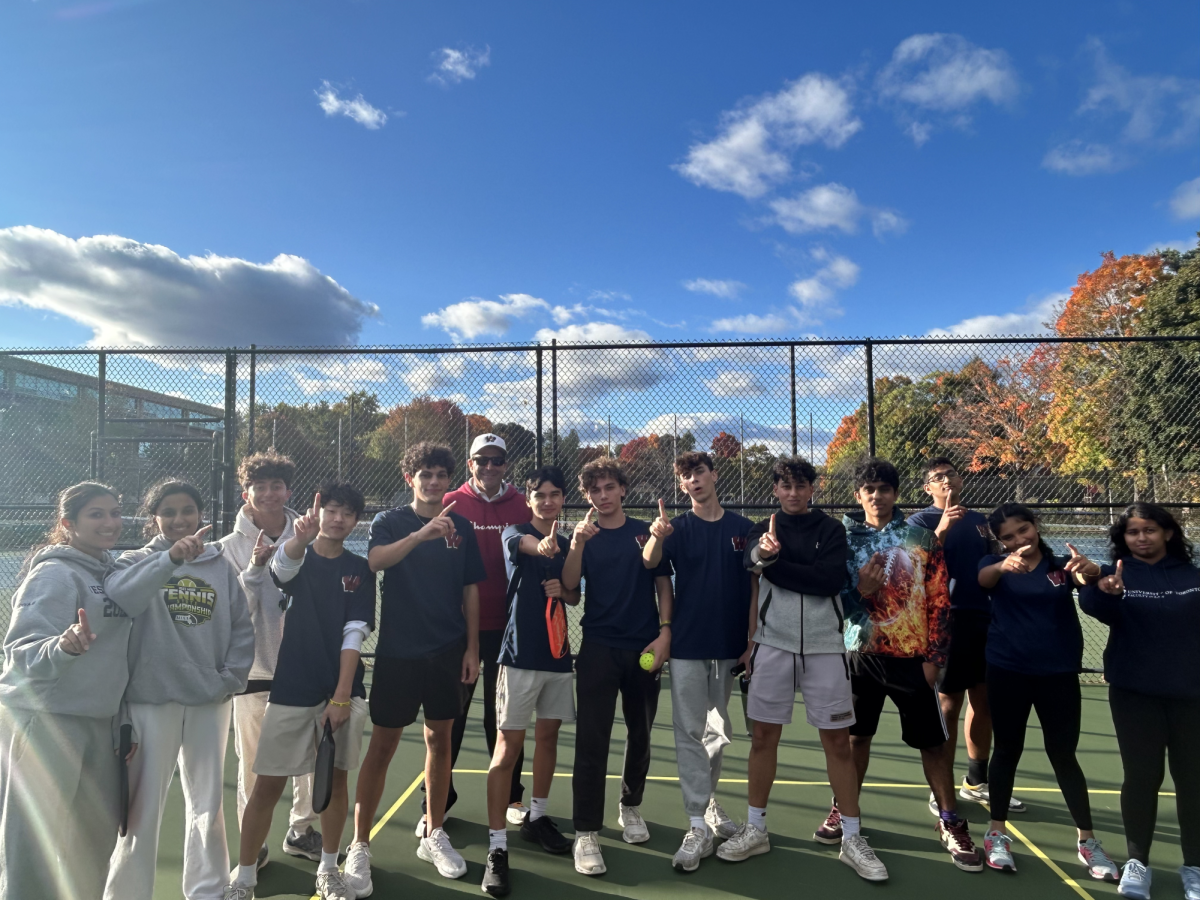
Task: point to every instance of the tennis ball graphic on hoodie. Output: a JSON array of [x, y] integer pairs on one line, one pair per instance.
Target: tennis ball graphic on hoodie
[[190, 600]]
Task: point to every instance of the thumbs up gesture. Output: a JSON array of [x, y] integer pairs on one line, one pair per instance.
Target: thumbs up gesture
[[188, 548], [1115, 583], [661, 527], [548, 546], [768, 544], [76, 639]]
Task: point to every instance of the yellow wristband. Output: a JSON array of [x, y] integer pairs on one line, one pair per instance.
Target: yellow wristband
[[664, 624], [336, 703]]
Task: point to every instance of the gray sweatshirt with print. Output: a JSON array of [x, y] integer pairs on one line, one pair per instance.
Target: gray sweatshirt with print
[[194, 644]]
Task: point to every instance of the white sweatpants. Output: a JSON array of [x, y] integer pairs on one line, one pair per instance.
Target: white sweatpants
[[194, 737], [248, 712]]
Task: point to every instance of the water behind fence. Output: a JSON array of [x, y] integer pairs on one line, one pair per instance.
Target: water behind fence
[[1075, 426]]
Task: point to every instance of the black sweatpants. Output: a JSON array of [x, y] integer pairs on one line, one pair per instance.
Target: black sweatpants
[[1150, 729], [489, 670], [600, 674], [1059, 705]]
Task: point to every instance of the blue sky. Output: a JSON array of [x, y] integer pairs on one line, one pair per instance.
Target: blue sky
[[382, 173]]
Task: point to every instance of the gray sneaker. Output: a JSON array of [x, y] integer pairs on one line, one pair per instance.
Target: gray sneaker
[[748, 841], [1099, 864], [858, 855], [588, 858], [237, 891], [306, 845], [1191, 882], [635, 830], [1135, 881], [332, 886], [357, 869], [718, 821], [697, 844]]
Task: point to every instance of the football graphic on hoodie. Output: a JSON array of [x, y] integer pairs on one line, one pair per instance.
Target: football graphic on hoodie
[[190, 600]]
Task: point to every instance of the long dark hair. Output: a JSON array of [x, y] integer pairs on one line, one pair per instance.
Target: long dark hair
[[1025, 514], [155, 497], [71, 502], [1178, 545]]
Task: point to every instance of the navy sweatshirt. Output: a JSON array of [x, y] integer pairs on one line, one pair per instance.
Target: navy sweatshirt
[[1154, 637]]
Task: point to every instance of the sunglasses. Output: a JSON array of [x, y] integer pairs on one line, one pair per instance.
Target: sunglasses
[[484, 461]]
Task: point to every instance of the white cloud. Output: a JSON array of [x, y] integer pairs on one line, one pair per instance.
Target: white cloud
[[1031, 320], [128, 292], [814, 296], [357, 108], [592, 332], [1183, 245], [1079, 158], [472, 318], [457, 66], [831, 206], [751, 154], [772, 323], [945, 74], [585, 375], [330, 375], [1185, 202], [1160, 109], [725, 289], [735, 383]]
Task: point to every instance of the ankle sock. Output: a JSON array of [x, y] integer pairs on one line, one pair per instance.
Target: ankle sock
[[977, 771], [949, 816], [497, 840], [696, 822], [328, 862], [757, 816], [248, 875], [851, 825], [537, 808]]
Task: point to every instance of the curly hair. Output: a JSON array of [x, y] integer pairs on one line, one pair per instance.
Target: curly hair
[[604, 467], [265, 466], [427, 455], [871, 469], [685, 462], [794, 469], [155, 497]]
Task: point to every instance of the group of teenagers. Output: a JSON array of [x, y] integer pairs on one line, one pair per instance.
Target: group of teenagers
[[943, 609]]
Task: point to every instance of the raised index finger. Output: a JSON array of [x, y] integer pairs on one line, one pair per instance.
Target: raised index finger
[[771, 529], [1074, 552], [316, 507], [207, 528], [83, 622], [662, 509], [446, 509]]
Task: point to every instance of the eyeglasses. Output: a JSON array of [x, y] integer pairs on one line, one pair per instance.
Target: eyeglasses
[[942, 477], [484, 461]]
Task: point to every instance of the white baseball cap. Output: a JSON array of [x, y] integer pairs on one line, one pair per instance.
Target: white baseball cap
[[488, 440]]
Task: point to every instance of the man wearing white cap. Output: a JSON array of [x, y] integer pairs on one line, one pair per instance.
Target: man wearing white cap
[[491, 504]]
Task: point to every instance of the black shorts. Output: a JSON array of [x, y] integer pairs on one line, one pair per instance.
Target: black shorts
[[966, 663], [400, 687], [874, 679]]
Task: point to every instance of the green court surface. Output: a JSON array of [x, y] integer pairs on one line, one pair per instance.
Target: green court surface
[[895, 818]]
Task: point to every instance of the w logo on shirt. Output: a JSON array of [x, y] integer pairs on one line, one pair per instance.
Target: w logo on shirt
[[739, 544], [641, 539], [454, 540], [350, 583]]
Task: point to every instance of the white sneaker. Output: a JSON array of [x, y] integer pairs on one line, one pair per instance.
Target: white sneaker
[[237, 891], [1135, 881], [419, 831], [697, 844], [718, 821], [980, 794], [748, 841], [859, 856], [333, 886], [436, 849], [358, 869], [631, 820], [588, 858], [515, 814]]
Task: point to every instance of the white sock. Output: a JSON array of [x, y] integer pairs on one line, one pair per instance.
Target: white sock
[[758, 817], [697, 822], [248, 875], [537, 808], [328, 862], [497, 840], [851, 825]]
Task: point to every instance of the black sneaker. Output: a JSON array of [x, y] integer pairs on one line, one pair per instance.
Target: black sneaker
[[543, 831], [495, 874]]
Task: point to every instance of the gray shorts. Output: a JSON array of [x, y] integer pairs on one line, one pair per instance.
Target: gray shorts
[[522, 692], [823, 679]]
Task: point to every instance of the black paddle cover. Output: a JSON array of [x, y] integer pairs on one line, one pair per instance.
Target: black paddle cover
[[323, 777], [126, 745]]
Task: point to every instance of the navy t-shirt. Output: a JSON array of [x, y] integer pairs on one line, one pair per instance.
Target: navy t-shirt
[[322, 597], [969, 541], [620, 606], [421, 610], [526, 643], [1035, 625], [711, 615]]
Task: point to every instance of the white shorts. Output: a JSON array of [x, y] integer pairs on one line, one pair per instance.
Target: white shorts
[[521, 692], [290, 735], [823, 679]]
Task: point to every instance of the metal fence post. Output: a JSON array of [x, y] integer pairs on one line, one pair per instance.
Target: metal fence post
[[792, 356], [230, 444], [554, 398], [538, 353], [250, 412], [101, 411], [870, 397]]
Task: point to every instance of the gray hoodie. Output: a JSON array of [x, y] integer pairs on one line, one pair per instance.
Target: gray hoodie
[[262, 596], [195, 642], [38, 674]]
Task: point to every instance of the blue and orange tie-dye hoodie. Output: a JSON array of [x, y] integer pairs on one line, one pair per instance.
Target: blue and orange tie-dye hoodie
[[910, 615]]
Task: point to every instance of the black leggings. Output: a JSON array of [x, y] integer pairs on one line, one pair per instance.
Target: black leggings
[[1011, 696], [1149, 729]]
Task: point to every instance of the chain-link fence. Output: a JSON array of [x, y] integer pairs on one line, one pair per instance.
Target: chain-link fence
[[1077, 427]]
